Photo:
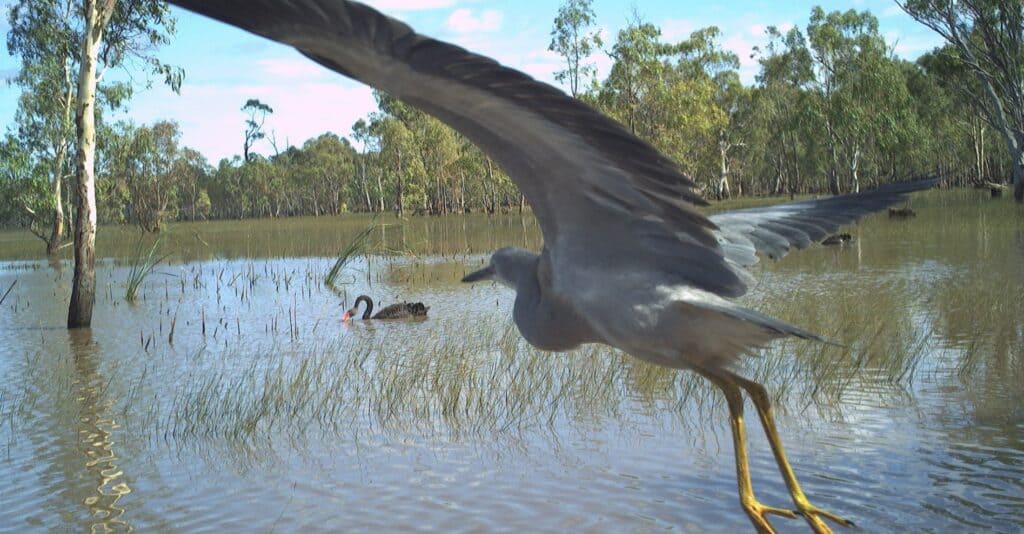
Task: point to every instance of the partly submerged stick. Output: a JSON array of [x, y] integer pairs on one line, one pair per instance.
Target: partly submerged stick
[[8, 292]]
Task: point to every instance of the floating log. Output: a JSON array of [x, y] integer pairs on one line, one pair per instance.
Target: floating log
[[837, 239], [995, 189]]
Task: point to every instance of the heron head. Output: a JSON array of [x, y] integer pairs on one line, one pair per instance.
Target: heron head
[[506, 265]]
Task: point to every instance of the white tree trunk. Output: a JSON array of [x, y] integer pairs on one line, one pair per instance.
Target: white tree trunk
[[83, 290], [1018, 174]]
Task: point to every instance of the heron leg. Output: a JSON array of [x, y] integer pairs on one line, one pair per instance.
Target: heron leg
[[811, 513], [755, 510]]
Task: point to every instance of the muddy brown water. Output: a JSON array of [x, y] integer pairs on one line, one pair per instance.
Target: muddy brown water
[[263, 413]]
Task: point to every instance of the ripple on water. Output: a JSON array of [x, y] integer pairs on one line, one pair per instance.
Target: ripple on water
[[625, 450]]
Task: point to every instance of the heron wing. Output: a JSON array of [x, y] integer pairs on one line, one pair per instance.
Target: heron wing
[[773, 230], [605, 199], [601, 195]]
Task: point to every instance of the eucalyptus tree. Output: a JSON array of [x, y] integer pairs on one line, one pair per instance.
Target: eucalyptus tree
[[574, 38], [257, 115], [665, 98], [946, 123], [865, 105], [702, 58], [24, 191], [111, 33], [784, 126], [838, 40], [988, 37], [396, 149], [361, 134], [326, 167], [189, 172], [144, 160], [43, 36]]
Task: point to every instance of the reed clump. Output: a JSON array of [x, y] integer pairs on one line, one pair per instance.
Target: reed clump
[[357, 246], [142, 265]]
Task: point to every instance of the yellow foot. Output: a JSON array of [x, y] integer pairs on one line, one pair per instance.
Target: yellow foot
[[759, 515], [813, 515]]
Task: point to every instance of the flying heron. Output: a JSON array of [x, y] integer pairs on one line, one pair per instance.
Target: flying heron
[[619, 219]]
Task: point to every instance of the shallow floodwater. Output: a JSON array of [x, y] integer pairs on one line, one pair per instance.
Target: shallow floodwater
[[229, 396]]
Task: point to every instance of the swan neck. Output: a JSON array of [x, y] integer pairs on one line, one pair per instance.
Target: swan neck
[[369, 305]]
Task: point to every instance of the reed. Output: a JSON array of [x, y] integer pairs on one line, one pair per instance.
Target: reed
[[143, 263], [355, 247]]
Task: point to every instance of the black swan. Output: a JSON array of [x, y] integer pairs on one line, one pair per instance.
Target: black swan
[[402, 310]]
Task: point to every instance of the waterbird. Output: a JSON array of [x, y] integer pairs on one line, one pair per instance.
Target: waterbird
[[902, 213], [620, 222], [837, 239], [402, 310]]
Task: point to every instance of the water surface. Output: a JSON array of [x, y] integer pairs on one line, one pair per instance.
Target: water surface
[[258, 411]]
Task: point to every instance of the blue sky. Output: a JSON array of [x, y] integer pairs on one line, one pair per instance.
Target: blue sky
[[225, 67]]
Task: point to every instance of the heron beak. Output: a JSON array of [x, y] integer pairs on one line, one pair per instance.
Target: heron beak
[[346, 317], [486, 273]]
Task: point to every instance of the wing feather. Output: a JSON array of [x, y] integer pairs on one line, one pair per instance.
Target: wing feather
[[774, 229], [601, 195]]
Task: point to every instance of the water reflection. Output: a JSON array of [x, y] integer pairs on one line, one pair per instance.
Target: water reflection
[[95, 426], [265, 413]]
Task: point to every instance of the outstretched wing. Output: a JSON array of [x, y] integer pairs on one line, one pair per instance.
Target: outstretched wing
[[602, 196], [773, 230]]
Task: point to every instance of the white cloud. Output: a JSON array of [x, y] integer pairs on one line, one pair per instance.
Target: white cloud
[[891, 11], [296, 67], [212, 121], [409, 5], [911, 46], [742, 47], [673, 30], [464, 21]]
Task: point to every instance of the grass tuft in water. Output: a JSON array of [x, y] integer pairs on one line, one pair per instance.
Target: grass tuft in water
[[143, 264], [355, 247]]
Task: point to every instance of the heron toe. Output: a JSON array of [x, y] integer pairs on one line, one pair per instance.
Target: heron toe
[[759, 513], [814, 516]]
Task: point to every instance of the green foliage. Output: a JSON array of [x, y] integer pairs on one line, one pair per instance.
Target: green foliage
[[146, 178], [257, 112], [573, 39], [831, 108], [47, 36], [986, 41]]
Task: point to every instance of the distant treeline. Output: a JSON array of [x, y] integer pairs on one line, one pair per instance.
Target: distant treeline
[[832, 110]]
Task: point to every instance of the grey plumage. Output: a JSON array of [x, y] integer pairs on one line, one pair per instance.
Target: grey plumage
[[628, 259]]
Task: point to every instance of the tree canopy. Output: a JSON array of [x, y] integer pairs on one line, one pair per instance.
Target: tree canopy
[[831, 109]]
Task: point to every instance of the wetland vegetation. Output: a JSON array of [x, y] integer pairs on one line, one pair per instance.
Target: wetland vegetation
[[232, 374], [218, 389]]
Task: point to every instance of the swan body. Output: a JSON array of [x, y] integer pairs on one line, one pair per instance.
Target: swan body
[[401, 310]]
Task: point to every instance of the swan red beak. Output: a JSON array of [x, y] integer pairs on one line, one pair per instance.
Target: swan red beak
[[346, 317]]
